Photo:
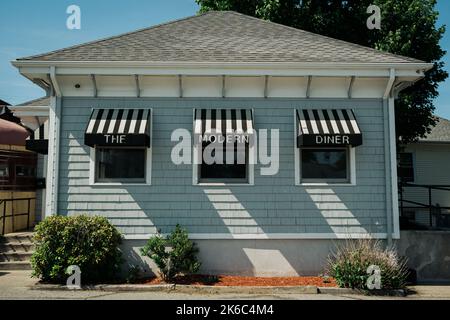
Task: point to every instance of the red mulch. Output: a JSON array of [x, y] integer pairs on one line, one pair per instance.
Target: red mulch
[[223, 280]]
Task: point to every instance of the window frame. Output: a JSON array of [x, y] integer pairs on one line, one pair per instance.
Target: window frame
[[29, 167], [93, 170], [197, 153], [351, 163], [6, 166], [228, 180], [332, 181]]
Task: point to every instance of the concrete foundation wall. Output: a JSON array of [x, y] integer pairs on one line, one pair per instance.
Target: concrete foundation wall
[[249, 257], [428, 253]]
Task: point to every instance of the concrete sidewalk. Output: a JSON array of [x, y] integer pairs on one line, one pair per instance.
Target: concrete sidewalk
[[17, 285]]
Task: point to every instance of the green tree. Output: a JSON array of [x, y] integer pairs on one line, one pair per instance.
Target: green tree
[[408, 27]]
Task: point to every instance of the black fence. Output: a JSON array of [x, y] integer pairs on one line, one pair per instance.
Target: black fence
[[420, 207]]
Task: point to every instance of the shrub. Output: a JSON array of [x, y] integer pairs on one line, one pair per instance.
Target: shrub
[[180, 259], [134, 273], [89, 242], [349, 265]]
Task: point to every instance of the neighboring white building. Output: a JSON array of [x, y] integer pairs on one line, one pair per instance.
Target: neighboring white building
[[427, 163]]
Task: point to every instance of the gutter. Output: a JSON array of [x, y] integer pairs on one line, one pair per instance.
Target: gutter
[[54, 81], [419, 66], [390, 83]]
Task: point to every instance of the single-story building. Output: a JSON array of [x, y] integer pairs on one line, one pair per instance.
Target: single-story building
[[134, 120]]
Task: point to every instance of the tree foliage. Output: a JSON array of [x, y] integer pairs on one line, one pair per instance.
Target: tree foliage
[[408, 27]]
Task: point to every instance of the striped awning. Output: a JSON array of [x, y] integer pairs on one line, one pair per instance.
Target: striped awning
[[38, 140], [328, 127], [119, 127], [226, 125]]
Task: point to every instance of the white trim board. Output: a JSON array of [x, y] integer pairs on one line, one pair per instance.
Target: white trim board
[[212, 86], [299, 236], [51, 197], [393, 159]]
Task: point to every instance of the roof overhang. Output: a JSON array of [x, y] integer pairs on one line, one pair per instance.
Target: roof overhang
[[413, 70], [31, 116]]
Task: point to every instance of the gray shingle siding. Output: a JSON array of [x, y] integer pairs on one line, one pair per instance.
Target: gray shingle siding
[[273, 205]]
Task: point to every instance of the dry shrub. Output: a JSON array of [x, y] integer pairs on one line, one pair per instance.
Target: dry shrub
[[348, 265]]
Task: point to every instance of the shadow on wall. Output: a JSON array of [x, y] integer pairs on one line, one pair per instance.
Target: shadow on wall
[[267, 255], [323, 213], [224, 214], [231, 212], [334, 211]]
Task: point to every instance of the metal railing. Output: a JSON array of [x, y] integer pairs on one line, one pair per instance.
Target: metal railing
[[433, 215], [4, 215]]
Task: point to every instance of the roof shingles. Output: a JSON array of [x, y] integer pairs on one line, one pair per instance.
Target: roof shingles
[[439, 133], [221, 36]]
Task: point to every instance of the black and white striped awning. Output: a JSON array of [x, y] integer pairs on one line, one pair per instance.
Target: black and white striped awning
[[223, 125], [328, 127], [119, 127], [38, 140]]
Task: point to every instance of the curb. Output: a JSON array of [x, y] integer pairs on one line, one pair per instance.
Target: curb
[[222, 289], [183, 288], [246, 289], [342, 291]]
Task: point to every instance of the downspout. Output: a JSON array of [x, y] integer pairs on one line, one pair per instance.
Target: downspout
[[390, 155], [53, 146]]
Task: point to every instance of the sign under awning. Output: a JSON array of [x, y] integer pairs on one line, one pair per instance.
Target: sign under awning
[[328, 127], [119, 127], [223, 125], [38, 140]]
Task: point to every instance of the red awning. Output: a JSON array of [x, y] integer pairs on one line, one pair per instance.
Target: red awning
[[12, 133]]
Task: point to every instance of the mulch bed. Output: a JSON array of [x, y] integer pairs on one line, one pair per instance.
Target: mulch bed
[[223, 280]]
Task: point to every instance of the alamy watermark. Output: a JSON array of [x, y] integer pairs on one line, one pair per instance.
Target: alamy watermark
[[229, 148], [374, 21], [374, 279], [74, 280], [73, 21]]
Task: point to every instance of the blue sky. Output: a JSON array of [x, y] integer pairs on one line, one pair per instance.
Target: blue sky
[[32, 27]]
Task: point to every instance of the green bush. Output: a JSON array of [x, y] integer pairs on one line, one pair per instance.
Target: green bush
[[89, 242], [349, 265], [174, 255]]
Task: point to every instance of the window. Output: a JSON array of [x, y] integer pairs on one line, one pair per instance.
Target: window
[[25, 171], [120, 165], [329, 165], [227, 172], [4, 172], [405, 167]]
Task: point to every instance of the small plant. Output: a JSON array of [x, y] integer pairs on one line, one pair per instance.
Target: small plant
[[89, 242], [175, 255], [350, 263]]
